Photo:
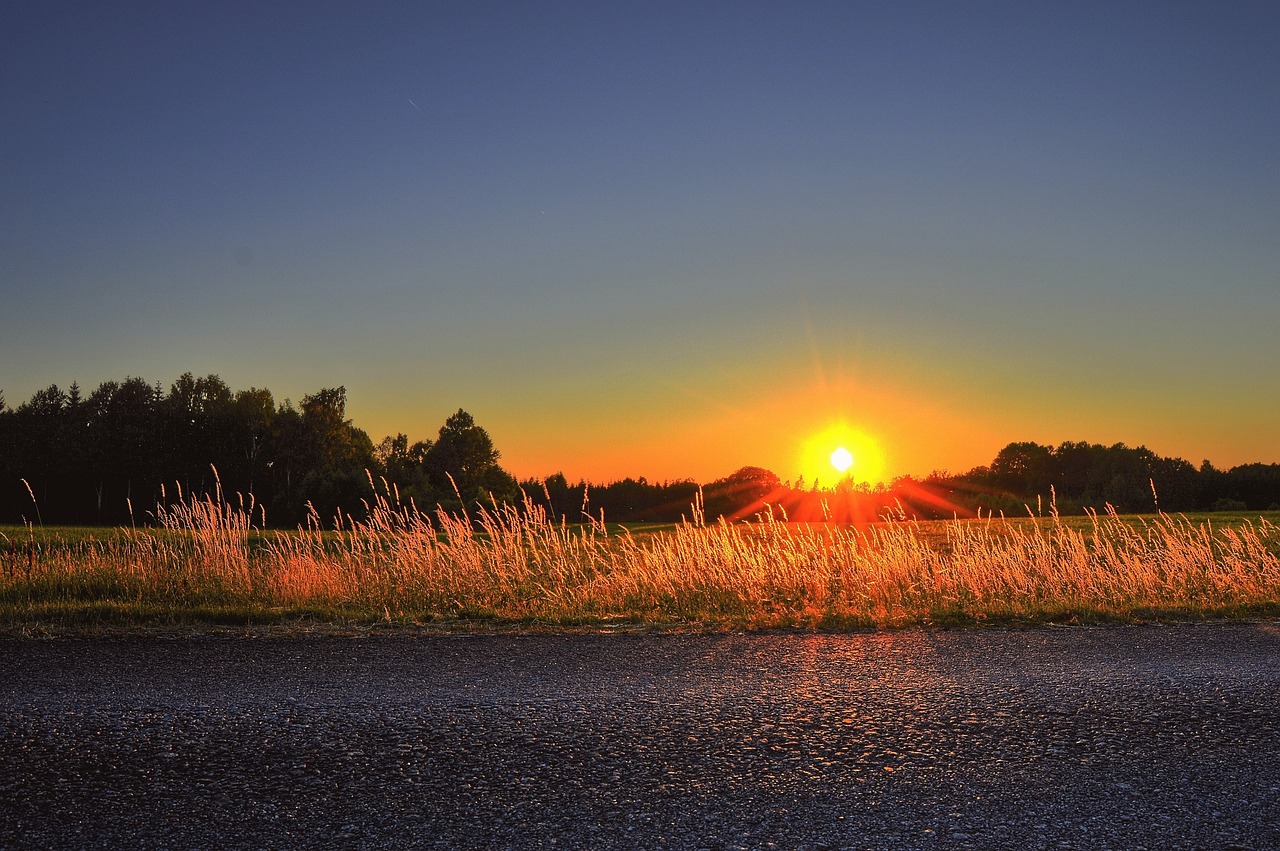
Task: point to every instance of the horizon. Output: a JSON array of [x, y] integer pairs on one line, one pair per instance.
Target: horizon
[[662, 242], [815, 452]]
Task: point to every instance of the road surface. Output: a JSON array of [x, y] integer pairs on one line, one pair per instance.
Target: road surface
[[1137, 737]]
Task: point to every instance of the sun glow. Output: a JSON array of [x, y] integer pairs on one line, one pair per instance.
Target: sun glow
[[841, 453]]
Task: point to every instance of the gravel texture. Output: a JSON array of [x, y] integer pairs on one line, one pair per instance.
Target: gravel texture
[[1143, 737]]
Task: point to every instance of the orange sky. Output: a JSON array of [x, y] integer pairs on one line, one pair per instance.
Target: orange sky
[[902, 411]]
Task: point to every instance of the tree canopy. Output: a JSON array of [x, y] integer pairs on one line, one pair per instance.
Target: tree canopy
[[112, 457]]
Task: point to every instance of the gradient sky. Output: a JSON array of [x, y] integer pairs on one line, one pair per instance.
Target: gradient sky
[[661, 240]]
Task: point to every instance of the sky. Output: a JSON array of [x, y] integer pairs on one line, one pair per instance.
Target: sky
[[663, 239]]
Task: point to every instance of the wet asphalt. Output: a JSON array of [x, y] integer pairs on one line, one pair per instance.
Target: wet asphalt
[[1134, 737]]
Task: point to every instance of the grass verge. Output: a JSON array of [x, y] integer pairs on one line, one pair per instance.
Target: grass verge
[[514, 569]]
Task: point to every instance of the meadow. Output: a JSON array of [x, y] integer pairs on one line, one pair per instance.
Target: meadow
[[202, 563]]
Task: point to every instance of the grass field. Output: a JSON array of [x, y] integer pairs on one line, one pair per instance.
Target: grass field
[[203, 564]]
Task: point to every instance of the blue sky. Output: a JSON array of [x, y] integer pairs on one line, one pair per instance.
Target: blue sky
[[661, 239]]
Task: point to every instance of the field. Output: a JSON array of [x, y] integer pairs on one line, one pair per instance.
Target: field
[[203, 564]]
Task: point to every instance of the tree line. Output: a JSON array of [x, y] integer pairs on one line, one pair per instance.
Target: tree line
[[112, 456]]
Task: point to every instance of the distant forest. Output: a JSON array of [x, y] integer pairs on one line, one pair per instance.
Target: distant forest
[[113, 456]]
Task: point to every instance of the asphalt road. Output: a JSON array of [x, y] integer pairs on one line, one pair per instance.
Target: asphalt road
[[1151, 737]]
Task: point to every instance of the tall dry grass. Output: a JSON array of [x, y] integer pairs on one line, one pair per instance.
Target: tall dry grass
[[204, 559]]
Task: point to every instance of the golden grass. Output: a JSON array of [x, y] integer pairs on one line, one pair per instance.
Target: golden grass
[[205, 561]]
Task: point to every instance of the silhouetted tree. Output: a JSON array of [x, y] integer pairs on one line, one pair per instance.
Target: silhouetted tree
[[1256, 485], [36, 425], [404, 465], [463, 457], [252, 413], [1025, 468], [197, 425], [743, 492], [336, 455], [1213, 484], [562, 500], [124, 457]]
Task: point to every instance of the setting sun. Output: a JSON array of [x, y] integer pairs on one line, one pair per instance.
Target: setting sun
[[846, 452]]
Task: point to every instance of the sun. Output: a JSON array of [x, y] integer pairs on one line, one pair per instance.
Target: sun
[[841, 452]]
